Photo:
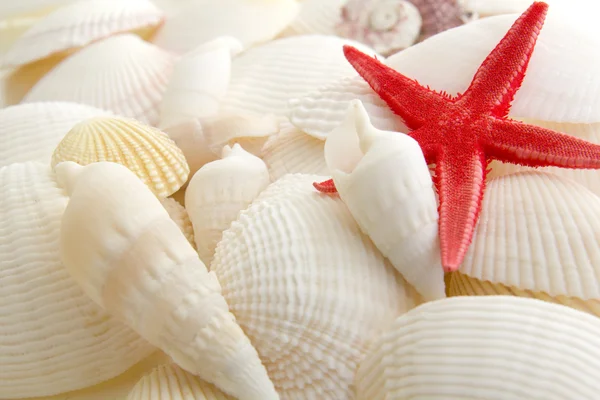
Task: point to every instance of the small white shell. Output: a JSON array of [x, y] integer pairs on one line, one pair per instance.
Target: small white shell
[[316, 17], [169, 382], [122, 74], [198, 82], [145, 150], [78, 24], [251, 22], [219, 191], [492, 348], [31, 132], [53, 338], [130, 257], [307, 288], [398, 211]]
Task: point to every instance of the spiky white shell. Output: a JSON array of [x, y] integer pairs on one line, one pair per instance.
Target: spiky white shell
[[293, 269], [122, 74], [53, 338], [78, 24]]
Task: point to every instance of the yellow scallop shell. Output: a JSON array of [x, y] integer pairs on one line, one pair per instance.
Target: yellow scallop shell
[[145, 150]]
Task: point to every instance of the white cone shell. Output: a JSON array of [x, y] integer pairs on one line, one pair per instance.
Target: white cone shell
[[131, 258], [31, 132], [492, 348], [384, 180], [78, 24], [219, 191], [53, 338], [294, 270], [122, 74]]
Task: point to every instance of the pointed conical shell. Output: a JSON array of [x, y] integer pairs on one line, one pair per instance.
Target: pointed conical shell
[[219, 191], [316, 17], [130, 257], [264, 78], [179, 214], [53, 338], [399, 211], [293, 151], [146, 151], [198, 82], [122, 74], [249, 21], [169, 382], [293, 269], [493, 348], [79, 24], [537, 232], [31, 132]]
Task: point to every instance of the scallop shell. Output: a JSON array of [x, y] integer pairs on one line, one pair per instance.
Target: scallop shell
[[316, 17], [130, 257], [122, 74], [146, 151], [293, 151], [53, 338], [399, 211], [219, 191], [169, 382], [31, 132], [250, 21], [493, 348], [293, 269], [179, 214], [264, 78], [537, 233], [79, 24], [198, 82]]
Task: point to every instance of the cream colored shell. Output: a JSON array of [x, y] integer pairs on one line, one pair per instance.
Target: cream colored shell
[[53, 338], [145, 150], [307, 287], [179, 214]]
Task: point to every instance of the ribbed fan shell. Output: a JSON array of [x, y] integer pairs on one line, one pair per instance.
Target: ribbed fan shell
[[78, 24], [169, 382], [492, 348], [122, 74], [145, 150], [307, 287], [53, 338]]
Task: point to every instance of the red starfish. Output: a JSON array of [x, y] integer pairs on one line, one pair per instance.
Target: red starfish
[[462, 134]]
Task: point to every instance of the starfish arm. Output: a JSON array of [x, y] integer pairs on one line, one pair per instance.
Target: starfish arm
[[326, 186], [534, 146], [405, 97], [501, 73], [460, 181]]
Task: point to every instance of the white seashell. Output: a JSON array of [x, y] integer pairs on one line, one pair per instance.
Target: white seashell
[[79, 24], [180, 215], [169, 382], [316, 17], [122, 74], [53, 338], [293, 151], [264, 78], [493, 348], [31, 132], [384, 180], [29, 8], [250, 21], [219, 191], [307, 288], [130, 257], [198, 82], [145, 150]]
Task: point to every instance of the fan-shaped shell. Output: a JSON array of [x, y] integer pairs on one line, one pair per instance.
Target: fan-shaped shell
[[293, 269], [169, 382], [31, 132], [53, 338], [493, 348], [122, 74], [78, 24], [145, 150]]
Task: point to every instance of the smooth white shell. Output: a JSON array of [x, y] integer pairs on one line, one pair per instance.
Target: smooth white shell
[[122, 74], [492, 348], [316, 16], [307, 287]]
